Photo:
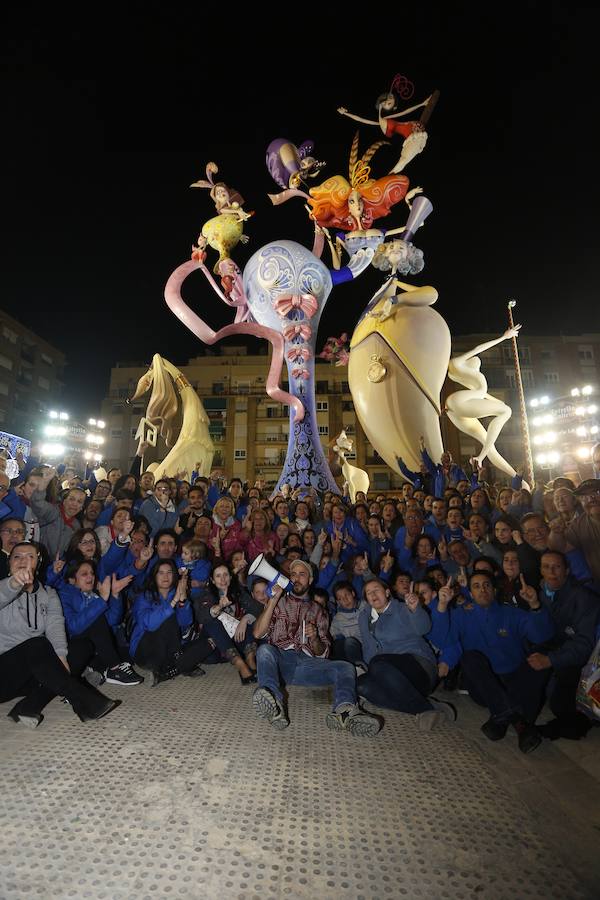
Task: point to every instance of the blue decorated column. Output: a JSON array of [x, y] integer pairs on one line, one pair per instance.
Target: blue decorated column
[[286, 287]]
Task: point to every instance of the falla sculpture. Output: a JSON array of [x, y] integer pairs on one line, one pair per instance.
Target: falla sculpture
[[400, 349]]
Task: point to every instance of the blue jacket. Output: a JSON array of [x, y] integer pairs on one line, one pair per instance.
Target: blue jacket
[[199, 569], [498, 631], [400, 549], [415, 477], [148, 615], [82, 609], [455, 474], [353, 531], [109, 564], [157, 516], [397, 630]]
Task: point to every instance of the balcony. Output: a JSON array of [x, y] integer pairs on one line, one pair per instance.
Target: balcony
[[281, 438], [270, 462]]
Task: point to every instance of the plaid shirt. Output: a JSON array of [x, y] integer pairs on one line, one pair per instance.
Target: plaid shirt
[[285, 630]]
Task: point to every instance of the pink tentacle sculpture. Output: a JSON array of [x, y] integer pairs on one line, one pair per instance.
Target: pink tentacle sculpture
[[198, 326]]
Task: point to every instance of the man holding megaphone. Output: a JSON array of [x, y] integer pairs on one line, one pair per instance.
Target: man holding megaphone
[[296, 650]]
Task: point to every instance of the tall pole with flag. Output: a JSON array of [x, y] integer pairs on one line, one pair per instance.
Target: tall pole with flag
[[521, 393]]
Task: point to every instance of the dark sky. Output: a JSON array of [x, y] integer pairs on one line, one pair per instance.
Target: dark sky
[[107, 122]]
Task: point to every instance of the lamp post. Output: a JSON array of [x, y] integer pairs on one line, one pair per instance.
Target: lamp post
[[522, 405]]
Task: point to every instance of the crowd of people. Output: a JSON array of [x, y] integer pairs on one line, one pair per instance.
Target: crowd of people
[[455, 582]]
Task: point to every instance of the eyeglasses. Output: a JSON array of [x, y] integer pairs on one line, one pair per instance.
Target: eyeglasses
[[15, 531], [87, 542]]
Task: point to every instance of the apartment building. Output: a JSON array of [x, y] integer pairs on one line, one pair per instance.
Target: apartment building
[[31, 377], [250, 430]]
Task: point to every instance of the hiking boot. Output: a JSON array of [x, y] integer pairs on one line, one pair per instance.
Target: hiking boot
[[494, 730], [123, 674], [160, 675], [355, 721], [268, 707]]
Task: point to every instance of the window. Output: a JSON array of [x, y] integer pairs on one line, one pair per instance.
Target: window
[[322, 405], [551, 378], [524, 355], [547, 354], [586, 353], [9, 334], [324, 429], [242, 387], [218, 387], [117, 432], [44, 383], [47, 359], [322, 387], [239, 454], [5, 362]]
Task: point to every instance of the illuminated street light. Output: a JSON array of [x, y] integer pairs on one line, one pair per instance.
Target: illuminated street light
[[553, 457], [544, 400], [581, 431], [592, 409], [52, 450], [101, 423], [594, 429], [583, 452], [587, 390], [534, 403], [575, 392], [541, 459], [97, 457], [64, 416], [538, 439], [537, 421], [53, 414], [92, 422], [580, 411]]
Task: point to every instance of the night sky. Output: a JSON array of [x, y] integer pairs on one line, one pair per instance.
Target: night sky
[[107, 122]]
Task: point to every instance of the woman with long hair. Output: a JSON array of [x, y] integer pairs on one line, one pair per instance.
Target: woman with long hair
[[227, 612], [160, 617], [261, 538]]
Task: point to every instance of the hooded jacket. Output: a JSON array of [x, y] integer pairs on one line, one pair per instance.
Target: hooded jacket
[[30, 614]]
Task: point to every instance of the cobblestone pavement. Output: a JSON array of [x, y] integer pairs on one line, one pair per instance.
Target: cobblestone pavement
[[183, 793]]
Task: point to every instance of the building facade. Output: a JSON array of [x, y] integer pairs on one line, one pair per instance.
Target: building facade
[[31, 377], [250, 430]]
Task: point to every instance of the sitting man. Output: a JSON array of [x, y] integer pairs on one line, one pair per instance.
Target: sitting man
[[489, 639], [575, 612], [295, 652]]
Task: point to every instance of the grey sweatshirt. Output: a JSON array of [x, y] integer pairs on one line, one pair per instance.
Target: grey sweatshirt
[[55, 534], [25, 615]]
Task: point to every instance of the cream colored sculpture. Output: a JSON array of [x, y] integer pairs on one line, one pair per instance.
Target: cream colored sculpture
[[356, 479], [465, 408], [194, 443], [398, 362]]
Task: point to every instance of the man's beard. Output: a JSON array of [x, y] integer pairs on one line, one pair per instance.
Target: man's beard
[[299, 589]]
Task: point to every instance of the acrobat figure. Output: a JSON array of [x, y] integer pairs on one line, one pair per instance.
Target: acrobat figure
[[354, 205], [465, 408], [413, 132], [226, 230]]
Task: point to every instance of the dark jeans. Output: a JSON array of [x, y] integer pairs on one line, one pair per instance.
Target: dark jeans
[[397, 681], [562, 691], [161, 649], [32, 670], [519, 693], [347, 648], [226, 645], [99, 636]]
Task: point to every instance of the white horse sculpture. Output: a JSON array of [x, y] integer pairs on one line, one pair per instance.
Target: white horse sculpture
[[356, 479]]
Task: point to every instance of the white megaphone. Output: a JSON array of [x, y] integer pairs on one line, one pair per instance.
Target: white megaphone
[[265, 570]]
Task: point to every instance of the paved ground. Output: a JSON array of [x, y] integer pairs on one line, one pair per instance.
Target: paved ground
[[182, 793]]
